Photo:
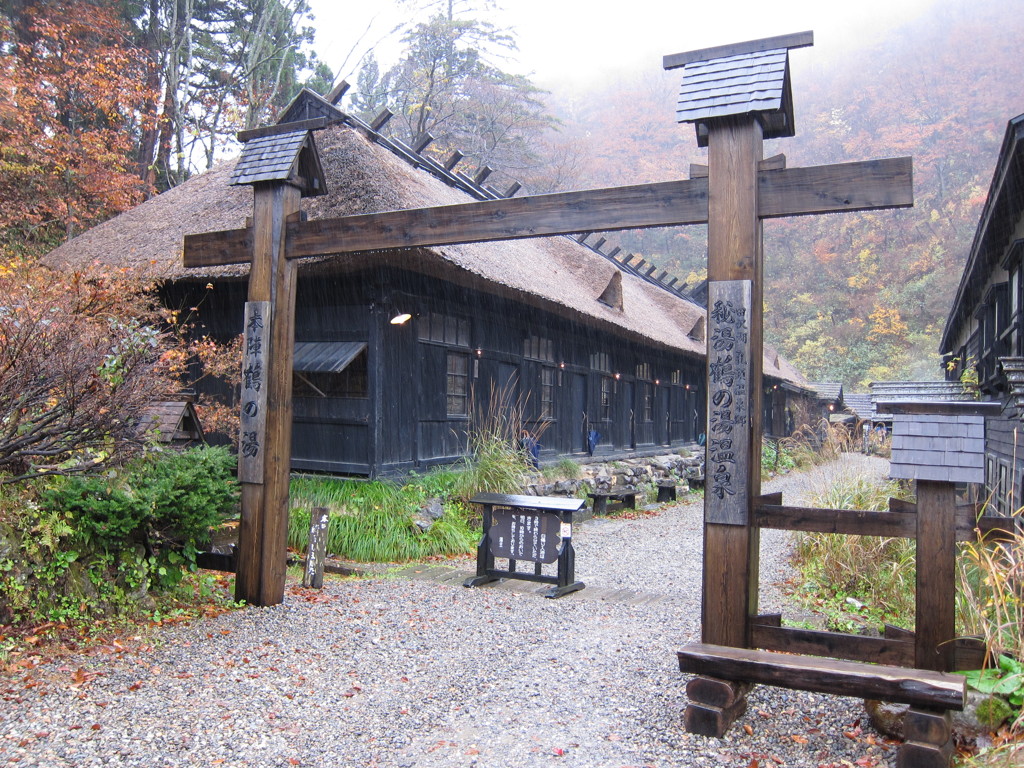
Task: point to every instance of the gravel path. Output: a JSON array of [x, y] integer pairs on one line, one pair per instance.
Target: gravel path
[[395, 672]]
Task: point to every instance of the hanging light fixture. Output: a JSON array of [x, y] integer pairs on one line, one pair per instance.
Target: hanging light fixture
[[401, 319]]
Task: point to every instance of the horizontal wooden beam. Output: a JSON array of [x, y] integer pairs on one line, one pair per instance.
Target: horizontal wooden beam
[[849, 521], [917, 687], [865, 185], [793, 40], [313, 124], [790, 192], [991, 527], [836, 645]]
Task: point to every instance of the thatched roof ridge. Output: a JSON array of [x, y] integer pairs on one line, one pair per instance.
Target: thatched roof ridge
[[554, 273]]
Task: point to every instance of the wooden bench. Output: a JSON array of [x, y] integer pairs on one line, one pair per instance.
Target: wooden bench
[[601, 498], [716, 703]]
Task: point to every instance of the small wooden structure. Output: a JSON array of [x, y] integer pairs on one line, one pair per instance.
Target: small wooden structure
[[737, 96], [535, 529], [173, 421]]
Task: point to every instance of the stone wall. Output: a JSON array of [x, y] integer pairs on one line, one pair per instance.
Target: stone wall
[[625, 473]]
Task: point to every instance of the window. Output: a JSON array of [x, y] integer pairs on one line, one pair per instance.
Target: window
[[606, 398], [547, 393], [677, 376], [599, 362], [647, 404], [537, 348], [457, 388], [444, 329], [643, 371]]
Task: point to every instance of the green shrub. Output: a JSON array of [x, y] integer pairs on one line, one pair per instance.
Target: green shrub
[[153, 515]]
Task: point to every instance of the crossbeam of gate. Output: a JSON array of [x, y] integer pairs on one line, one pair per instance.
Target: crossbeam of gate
[[857, 186]]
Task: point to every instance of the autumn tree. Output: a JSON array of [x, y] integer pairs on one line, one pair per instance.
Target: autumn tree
[[79, 358], [71, 90]]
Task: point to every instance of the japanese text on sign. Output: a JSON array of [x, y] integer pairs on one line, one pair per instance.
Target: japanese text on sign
[[728, 438], [254, 392]]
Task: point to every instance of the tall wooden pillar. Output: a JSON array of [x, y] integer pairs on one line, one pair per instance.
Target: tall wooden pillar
[[267, 451], [935, 625], [733, 449]]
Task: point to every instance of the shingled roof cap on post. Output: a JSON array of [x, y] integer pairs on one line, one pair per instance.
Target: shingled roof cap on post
[[942, 441], [282, 155], [739, 79]]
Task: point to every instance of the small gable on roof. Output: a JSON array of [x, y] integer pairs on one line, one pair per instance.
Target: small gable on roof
[[309, 106], [745, 78], [612, 294]]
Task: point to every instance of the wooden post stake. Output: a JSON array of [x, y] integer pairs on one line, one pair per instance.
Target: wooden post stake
[[313, 578], [935, 627]]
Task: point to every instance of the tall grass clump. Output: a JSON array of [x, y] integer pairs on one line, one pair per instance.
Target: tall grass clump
[[809, 445], [990, 604], [858, 580], [496, 460], [374, 521]]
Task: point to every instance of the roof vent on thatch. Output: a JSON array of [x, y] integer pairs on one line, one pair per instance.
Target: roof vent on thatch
[[612, 294], [697, 332]]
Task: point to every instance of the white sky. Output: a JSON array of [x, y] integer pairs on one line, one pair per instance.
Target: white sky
[[568, 43]]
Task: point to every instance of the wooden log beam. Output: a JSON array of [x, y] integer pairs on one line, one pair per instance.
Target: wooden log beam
[[918, 687], [820, 189], [849, 521], [859, 186], [836, 645]]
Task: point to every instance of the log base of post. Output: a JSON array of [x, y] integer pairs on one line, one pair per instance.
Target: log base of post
[[714, 705], [928, 740]]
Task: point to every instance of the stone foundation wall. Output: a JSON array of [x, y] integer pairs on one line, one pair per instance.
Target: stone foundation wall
[[625, 473]]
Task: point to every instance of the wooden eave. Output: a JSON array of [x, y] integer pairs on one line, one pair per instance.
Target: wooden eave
[[998, 219]]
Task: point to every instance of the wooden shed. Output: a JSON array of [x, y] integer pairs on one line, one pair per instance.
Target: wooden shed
[[396, 350]]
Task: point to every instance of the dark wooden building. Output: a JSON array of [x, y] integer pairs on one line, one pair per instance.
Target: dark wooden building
[[983, 342], [397, 351]]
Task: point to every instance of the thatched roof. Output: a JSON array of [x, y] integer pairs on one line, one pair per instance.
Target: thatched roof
[[556, 274]]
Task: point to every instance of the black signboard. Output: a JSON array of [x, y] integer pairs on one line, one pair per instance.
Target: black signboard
[[533, 536]]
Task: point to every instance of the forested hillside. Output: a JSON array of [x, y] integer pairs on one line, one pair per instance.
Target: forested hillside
[[851, 297]]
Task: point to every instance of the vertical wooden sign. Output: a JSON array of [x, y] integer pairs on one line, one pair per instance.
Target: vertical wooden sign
[[729, 418], [252, 436]]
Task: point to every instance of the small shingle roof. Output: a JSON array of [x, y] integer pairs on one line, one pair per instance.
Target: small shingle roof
[[739, 79], [290, 156], [268, 158], [860, 404], [735, 85], [939, 441]]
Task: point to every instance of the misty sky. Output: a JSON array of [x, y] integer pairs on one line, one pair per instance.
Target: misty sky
[[571, 43]]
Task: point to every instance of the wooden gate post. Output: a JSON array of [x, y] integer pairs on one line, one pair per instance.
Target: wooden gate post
[[732, 464], [264, 522]]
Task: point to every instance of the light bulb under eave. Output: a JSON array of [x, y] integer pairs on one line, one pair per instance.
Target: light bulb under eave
[[401, 319]]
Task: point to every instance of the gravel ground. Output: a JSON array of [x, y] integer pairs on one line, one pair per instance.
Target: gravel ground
[[395, 672]]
